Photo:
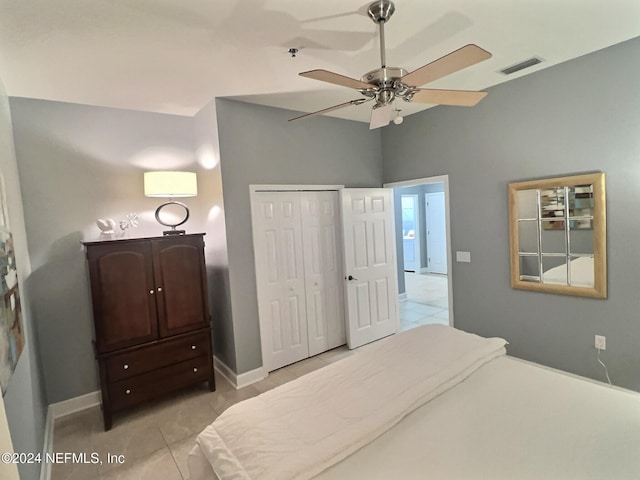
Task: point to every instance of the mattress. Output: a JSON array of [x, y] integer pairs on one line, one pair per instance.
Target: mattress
[[508, 419], [299, 429]]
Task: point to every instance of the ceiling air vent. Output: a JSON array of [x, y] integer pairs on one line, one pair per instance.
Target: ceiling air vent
[[521, 66]]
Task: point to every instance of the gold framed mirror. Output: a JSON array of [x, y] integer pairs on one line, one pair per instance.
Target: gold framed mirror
[[557, 235]]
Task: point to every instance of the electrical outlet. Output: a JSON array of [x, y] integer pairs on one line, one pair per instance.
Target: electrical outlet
[[601, 342]]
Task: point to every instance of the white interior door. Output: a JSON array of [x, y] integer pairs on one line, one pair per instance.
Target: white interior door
[[436, 233], [370, 264], [323, 270], [280, 276]]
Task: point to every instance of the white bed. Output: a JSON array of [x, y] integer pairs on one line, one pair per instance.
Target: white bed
[[495, 418]]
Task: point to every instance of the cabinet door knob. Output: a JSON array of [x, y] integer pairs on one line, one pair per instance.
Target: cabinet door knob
[[159, 289], [193, 347], [151, 292], [195, 369], [126, 367], [127, 391]]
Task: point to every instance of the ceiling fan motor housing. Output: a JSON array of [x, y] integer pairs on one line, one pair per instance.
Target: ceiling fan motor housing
[[386, 85], [383, 77]]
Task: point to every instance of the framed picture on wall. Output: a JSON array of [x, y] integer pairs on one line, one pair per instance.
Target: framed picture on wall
[[11, 324]]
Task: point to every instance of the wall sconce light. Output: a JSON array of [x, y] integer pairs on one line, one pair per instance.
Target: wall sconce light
[[171, 185]]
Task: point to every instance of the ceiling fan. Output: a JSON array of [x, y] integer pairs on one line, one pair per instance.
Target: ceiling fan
[[386, 84]]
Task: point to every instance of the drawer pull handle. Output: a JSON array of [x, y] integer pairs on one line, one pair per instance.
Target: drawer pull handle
[[193, 347], [127, 391], [195, 369], [151, 292], [159, 289], [126, 367]]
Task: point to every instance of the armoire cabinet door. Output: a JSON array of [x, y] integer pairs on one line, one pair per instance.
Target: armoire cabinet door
[[123, 294], [180, 278]]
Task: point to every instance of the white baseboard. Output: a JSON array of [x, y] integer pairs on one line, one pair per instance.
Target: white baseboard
[[402, 297], [252, 376], [62, 409], [76, 404], [220, 367], [242, 380], [47, 445]]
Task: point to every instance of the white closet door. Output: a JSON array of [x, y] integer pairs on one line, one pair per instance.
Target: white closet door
[[323, 270], [280, 275], [369, 264]]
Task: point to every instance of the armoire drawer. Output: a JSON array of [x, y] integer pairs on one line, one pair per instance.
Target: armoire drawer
[[152, 357], [132, 391]]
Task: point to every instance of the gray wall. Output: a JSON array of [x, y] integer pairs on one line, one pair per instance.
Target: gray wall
[[208, 151], [259, 146], [583, 115], [25, 400], [78, 163]]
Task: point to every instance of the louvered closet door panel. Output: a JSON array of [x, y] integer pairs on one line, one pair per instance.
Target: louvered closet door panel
[[280, 277], [323, 271]]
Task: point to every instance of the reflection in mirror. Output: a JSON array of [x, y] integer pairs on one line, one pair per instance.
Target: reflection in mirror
[[558, 235]]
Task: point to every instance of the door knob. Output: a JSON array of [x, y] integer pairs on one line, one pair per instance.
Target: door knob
[[351, 277]]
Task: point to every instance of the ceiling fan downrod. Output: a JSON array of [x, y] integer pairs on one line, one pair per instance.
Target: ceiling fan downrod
[[380, 12]]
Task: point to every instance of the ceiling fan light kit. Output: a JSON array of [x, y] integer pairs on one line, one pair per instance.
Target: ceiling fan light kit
[[398, 118], [385, 85]]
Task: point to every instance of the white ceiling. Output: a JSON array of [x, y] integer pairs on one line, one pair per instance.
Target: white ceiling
[[174, 56]]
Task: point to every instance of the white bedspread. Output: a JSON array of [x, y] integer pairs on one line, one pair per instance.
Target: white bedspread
[[510, 420], [299, 429]]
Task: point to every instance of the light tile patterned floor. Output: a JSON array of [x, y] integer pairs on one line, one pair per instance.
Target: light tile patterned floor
[[155, 439], [427, 300]]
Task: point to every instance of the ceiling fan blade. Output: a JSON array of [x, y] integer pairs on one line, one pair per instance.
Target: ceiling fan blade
[[381, 116], [336, 79], [462, 98], [330, 109], [454, 61]]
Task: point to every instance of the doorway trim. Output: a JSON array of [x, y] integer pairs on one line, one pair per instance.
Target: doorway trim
[[291, 188], [444, 179]]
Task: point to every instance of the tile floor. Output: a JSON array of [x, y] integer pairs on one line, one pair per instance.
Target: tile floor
[[155, 439], [427, 300]]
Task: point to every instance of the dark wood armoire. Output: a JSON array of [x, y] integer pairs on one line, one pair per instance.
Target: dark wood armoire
[[151, 318]]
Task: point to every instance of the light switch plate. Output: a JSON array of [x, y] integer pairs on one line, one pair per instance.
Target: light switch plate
[[463, 257]]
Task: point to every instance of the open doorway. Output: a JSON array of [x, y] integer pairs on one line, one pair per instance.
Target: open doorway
[[423, 253]]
